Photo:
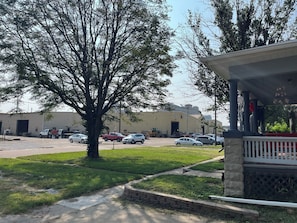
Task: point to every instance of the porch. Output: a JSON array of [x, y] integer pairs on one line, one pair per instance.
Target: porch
[[259, 166], [270, 168], [270, 150]]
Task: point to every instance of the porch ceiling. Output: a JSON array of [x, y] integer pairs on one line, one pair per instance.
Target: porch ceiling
[[269, 73]]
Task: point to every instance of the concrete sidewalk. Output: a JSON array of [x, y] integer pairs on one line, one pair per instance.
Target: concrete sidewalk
[[105, 206]]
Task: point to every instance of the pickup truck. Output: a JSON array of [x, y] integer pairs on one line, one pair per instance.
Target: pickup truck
[[45, 133], [113, 136]]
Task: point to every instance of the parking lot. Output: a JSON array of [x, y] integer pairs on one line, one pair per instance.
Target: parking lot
[[14, 146]]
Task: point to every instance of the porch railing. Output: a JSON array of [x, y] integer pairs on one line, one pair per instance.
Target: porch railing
[[273, 150]]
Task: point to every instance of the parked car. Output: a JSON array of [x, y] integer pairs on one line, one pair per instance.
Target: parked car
[[134, 138], [206, 139], [78, 137], [194, 135], [220, 140], [187, 141], [113, 136], [45, 133]]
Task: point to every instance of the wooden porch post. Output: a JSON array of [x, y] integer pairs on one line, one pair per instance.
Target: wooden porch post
[[246, 111], [255, 117], [233, 105]]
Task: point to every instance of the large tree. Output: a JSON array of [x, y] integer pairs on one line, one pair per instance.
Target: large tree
[[90, 55], [237, 25]]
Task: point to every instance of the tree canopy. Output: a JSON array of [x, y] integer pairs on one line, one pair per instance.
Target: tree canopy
[[90, 55], [237, 25]]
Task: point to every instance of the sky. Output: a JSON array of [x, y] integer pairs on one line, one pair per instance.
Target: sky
[[180, 91]]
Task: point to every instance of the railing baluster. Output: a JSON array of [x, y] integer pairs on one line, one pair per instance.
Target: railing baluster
[[278, 150], [293, 157]]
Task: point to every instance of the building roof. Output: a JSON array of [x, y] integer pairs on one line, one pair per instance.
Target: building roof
[[269, 72]]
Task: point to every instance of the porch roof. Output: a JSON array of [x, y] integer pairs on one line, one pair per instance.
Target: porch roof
[[269, 72]]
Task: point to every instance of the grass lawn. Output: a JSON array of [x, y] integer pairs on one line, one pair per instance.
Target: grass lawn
[[38, 180], [184, 186], [193, 187], [209, 167]]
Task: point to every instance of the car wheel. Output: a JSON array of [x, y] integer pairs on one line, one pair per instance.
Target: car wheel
[[71, 140], [142, 141], [133, 142], [105, 139], [194, 144], [178, 144]]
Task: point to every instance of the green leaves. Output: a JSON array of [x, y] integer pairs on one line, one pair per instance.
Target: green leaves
[[88, 55], [237, 25]]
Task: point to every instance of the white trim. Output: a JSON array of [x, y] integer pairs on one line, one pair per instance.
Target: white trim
[[257, 202]]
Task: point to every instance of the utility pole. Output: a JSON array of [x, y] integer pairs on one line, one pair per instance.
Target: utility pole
[[215, 110], [120, 116], [188, 106]]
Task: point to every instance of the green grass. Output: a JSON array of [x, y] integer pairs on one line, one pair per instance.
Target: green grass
[[210, 166], [144, 160], [25, 180], [184, 186]]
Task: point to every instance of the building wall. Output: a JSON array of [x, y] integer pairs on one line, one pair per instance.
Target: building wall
[[63, 120], [160, 120], [209, 127], [38, 122], [9, 121]]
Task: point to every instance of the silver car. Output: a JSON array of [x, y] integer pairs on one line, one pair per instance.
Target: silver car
[[78, 137], [134, 138], [187, 141]]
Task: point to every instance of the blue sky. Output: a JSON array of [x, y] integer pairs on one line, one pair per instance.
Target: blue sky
[[181, 91]]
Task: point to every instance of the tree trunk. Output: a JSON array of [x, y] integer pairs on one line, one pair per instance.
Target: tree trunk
[[94, 128], [93, 147]]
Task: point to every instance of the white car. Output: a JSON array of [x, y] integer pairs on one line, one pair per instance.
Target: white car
[[134, 138], [45, 133], [78, 137], [188, 141]]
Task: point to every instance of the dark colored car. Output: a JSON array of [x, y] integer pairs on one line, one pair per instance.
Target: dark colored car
[[206, 140]]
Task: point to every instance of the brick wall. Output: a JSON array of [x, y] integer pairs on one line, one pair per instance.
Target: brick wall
[[178, 203], [233, 167]]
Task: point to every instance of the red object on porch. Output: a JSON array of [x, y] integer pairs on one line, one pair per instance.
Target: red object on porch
[[281, 134], [252, 107]]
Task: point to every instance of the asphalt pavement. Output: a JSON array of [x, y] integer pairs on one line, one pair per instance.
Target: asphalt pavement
[[14, 146]]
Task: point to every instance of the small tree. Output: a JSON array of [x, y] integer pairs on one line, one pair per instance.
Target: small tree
[[237, 25], [89, 55]]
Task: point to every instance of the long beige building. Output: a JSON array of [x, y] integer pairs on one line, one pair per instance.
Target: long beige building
[[162, 123], [30, 124], [157, 123]]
